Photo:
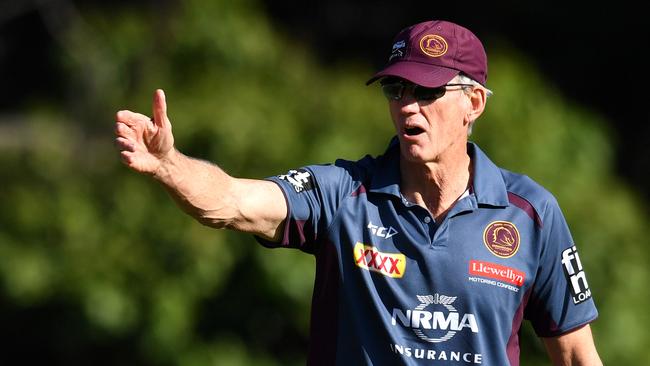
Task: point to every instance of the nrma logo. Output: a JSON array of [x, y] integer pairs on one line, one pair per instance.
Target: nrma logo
[[438, 324]]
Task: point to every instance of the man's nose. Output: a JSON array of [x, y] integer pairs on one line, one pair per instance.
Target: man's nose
[[408, 104]]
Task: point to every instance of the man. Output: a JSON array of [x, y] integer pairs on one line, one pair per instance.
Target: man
[[427, 254]]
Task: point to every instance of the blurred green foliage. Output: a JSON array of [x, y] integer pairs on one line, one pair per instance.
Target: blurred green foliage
[[98, 266]]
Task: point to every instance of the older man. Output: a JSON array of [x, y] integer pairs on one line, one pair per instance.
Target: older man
[[427, 254]]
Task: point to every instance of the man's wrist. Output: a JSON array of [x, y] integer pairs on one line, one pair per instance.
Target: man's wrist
[[166, 165]]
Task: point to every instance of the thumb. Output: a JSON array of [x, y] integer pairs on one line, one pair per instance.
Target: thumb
[[159, 108]]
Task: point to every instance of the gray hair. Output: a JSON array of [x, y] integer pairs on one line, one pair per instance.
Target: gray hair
[[464, 79]]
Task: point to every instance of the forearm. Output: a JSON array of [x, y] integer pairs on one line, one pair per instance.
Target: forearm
[[580, 358], [200, 188], [573, 349]]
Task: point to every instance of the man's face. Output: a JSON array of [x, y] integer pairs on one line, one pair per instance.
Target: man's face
[[427, 129]]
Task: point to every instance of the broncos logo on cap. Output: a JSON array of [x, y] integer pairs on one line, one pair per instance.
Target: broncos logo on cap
[[433, 45]]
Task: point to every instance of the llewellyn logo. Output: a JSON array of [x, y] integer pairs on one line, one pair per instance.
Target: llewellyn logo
[[389, 264], [438, 325], [497, 272]]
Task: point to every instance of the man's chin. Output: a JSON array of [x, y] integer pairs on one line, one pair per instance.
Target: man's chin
[[414, 154]]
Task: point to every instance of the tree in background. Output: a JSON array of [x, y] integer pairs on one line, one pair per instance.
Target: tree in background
[[98, 266]]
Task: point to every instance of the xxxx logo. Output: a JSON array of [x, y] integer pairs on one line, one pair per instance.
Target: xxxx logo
[[388, 264]]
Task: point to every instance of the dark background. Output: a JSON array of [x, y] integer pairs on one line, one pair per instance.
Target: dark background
[[595, 53]]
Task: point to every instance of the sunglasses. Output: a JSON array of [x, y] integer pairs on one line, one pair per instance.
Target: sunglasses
[[394, 90]]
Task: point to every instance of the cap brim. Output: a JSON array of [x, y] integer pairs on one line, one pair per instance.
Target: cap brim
[[429, 76]]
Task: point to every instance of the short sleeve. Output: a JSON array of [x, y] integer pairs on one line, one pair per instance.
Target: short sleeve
[[313, 195], [561, 298]]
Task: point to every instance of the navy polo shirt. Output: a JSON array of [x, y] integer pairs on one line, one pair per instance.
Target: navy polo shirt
[[393, 286]]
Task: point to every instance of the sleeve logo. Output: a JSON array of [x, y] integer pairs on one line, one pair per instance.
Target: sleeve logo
[[575, 275], [300, 179]]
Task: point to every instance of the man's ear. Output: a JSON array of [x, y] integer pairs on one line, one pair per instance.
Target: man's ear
[[477, 99]]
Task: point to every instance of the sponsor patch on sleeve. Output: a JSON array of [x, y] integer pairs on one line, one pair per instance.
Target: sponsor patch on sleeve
[[575, 275], [300, 179]]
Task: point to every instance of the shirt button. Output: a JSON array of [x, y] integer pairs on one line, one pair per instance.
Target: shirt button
[[427, 220]]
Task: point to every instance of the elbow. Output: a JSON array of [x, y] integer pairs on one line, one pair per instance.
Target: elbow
[[209, 222], [214, 219]]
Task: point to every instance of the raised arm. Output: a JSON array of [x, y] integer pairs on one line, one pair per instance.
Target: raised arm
[[200, 188], [575, 348]]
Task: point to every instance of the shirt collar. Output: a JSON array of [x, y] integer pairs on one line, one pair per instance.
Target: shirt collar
[[488, 185], [387, 176]]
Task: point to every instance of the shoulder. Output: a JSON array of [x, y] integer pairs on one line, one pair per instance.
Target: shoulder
[[529, 195], [342, 175]]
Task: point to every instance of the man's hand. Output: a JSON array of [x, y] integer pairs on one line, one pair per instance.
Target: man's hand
[[144, 142]]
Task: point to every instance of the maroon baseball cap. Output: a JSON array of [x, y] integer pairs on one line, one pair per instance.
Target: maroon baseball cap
[[434, 52]]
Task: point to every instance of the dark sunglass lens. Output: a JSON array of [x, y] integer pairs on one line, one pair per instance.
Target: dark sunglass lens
[[422, 93], [393, 91]]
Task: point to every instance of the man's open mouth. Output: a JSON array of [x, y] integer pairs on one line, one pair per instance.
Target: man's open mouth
[[412, 131]]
